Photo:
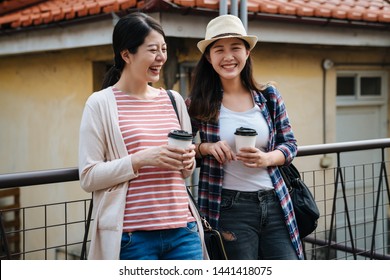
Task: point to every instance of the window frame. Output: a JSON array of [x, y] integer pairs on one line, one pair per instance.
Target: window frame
[[358, 98]]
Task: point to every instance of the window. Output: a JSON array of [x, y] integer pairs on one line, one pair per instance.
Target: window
[[346, 86], [370, 86], [359, 85]]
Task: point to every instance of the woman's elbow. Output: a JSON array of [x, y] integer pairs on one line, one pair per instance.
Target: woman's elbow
[[86, 182]]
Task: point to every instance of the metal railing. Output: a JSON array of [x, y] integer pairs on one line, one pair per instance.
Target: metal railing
[[353, 201], [355, 222]]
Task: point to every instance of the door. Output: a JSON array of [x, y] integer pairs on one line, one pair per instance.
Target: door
[[361, 115]]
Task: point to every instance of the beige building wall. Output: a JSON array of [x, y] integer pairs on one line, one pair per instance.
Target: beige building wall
[[42, 96]]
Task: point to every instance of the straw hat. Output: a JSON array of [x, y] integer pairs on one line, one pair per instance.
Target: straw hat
[[225, 26]]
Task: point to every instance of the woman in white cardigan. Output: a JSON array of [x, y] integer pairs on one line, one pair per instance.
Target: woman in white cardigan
[[141, 207]]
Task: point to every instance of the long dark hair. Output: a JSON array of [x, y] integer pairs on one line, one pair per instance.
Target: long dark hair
[[206, 92], [129, 33]]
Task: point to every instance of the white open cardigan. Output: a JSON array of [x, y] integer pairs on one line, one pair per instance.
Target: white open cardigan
[[105, 168]]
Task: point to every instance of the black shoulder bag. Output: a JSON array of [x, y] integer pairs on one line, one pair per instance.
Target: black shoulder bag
[[305, 206], [212, 237]]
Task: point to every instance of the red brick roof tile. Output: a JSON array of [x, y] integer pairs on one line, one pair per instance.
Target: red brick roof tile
[[26, 13]]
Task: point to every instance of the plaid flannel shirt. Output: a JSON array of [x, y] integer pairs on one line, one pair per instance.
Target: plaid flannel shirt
[[281, 138]]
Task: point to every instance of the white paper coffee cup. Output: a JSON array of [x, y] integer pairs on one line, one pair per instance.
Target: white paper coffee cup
[[179, 138], [245, 137]]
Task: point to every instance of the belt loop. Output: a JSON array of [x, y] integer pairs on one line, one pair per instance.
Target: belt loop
[[237, 196]]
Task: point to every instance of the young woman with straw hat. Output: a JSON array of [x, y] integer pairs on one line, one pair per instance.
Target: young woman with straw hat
[[242, 192]]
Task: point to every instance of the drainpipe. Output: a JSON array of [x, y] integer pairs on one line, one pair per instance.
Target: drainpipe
[[234, 7], [326, 65], [223, 7], [244, 13]]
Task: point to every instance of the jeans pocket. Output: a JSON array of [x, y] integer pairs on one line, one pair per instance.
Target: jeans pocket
[[126, 239], [192, 227]]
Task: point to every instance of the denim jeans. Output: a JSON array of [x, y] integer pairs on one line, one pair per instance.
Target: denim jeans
[[169, 244], [253, 227]]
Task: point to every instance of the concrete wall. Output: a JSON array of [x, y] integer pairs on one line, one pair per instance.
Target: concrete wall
[[42, 97]]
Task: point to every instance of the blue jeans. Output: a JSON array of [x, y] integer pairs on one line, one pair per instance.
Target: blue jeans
[[253, 227], [169, 244]]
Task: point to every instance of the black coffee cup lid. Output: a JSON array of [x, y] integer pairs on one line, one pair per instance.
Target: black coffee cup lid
[[180, 134], [245, 131]]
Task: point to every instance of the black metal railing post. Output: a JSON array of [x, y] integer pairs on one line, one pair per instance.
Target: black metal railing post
[[382, 174], [340, 178]]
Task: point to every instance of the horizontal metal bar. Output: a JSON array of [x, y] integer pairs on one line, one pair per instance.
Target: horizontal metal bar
[[347, 249], [71, 174], [31, 178], [319, 149]]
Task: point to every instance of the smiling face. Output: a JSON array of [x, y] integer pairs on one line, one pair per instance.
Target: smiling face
[[228, 57], [145, 65]]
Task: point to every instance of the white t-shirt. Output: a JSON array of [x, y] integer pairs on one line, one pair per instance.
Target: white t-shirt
[[237, 176]]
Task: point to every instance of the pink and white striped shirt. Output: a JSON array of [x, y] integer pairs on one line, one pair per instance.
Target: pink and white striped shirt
[[157, 198]]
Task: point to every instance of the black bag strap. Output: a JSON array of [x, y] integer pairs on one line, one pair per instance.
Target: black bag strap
[[291, 173], [173, 103], [205, 223], [270, 109], [83, 255], [196, 204]]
